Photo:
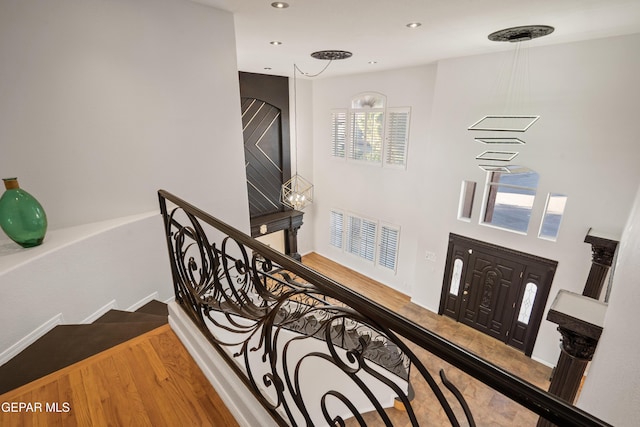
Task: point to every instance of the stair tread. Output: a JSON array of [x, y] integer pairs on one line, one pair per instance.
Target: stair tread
[[120, 316], [65, 345], [154, 307]]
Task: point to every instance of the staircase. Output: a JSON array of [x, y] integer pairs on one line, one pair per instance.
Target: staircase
[[65, 345]]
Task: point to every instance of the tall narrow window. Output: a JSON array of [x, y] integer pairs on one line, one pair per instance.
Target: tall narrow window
[[510, 195], [396, 142], [367, 127], [552, 218], [337, 229], [388, 247], [361, 237], [456, 277], [366, 135], [338, 133], [467, 194], [528, 299]]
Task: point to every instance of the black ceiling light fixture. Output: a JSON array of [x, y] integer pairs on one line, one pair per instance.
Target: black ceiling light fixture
[[331, 55], [509, 122], [520, 34]]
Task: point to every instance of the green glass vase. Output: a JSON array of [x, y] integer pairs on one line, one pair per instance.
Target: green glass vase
[[21, 215]]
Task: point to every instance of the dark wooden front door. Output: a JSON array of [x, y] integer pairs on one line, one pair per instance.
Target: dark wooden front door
[[490, 292], [496, 290]]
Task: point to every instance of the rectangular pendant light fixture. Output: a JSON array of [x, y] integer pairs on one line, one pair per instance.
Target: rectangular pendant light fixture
[[504, 123]]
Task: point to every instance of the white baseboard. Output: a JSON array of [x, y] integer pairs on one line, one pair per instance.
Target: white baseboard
[[25, 342], [544, 362], [143, 301], [239, 400], [111, 305]]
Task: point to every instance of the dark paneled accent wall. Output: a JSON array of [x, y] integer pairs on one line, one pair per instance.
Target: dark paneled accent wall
[[265, 122]]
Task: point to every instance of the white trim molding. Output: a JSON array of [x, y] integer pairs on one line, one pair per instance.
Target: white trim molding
[[25, 342]]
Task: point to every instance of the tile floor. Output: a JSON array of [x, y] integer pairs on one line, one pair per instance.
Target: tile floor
[[489, 408]]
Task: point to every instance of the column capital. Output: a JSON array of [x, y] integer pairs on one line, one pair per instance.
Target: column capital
[[577, 345], [603, 247]]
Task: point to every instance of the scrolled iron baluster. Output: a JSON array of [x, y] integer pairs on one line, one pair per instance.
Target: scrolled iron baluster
[[453, 389], [338, 419], [254, 275], [361, 385], [243, 279]]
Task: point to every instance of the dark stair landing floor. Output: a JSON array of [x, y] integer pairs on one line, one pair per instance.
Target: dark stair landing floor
[[65, 345]]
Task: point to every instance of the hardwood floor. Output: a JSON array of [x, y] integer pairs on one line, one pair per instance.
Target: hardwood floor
[[489, 408], [150, 380]]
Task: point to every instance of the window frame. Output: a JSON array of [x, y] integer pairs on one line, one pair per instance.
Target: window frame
[[363, 250], [396, 249], [391, 131], [394, 132], [490, 195], [368, 115], [333, 231], [335, 134], [467, 199], [379, 243], [546, 212]]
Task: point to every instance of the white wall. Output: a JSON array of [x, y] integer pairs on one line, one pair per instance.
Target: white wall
[[615, 363], [105, 102], [387, 195], [583, 146], [102, 103], [81, 272]]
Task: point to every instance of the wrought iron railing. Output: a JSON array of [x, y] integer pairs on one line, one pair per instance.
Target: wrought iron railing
[[314, 352]]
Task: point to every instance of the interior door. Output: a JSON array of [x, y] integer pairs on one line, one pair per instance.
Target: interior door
[[491, 288]]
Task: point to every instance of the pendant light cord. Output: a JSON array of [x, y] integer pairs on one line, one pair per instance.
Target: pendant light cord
[[295, 103], [295, 111]]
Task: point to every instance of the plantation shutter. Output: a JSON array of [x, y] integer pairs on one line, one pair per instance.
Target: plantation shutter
[[388, 247], [338, 133], [336, 233], [361, 238], [366, 136], [397, 137]]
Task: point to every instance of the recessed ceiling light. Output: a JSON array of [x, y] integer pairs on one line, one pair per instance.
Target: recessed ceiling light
[[280, 5], [267, 68], [414, 24], [275, 43], [373, 62]]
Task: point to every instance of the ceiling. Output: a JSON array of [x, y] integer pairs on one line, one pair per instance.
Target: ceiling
[[376, 31]]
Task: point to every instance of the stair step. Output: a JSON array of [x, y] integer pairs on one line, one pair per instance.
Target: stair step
[[119, 316], [65, 345], [154, 307]]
